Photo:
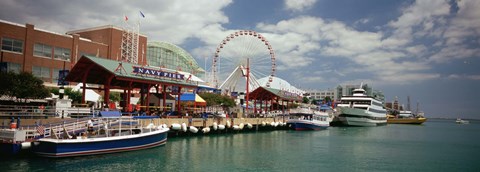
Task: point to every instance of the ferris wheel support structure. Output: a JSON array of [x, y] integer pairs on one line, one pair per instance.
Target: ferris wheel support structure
[[234, 52]]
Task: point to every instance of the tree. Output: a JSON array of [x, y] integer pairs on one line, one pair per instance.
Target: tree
[[115, 97], [327, 99], [217, 99], [75, 96], [305, 100], [6, 78], [23, 86]]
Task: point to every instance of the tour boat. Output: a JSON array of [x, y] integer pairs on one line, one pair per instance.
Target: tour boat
[[308, 119], [406, 117], [361, 110], [102, 141]]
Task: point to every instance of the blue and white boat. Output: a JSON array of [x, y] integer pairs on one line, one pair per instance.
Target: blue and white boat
[[305, 118], [102, 141]]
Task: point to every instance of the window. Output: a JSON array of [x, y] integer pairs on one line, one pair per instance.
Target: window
[[41, 72], [42, 50], [13, 67], [13, 45], [55, 75], [62, 53]]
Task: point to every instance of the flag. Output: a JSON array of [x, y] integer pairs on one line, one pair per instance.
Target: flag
[[143, 15], [126, 18], [41, 129]]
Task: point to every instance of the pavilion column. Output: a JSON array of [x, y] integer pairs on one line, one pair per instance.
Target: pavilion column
[[83, 91], [124, 99], [266, 106], [158, 102], [254, 106], [107, 90], [148, 98], [129, 94], [283, 110], [164, 98], [179, 109], [194, 106], [271, 104], [84, 80], [142, 96]]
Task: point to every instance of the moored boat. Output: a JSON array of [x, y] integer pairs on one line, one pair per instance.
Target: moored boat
[[102, 141], [361, 110], [412, 120], [308, 119]]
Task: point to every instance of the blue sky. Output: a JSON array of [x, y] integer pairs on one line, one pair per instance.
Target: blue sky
[[426, 49]]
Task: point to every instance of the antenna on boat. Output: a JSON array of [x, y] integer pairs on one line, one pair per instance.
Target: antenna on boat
[[361, 85]]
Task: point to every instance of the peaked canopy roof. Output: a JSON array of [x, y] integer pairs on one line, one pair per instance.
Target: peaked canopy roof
[[265, 93], [96, 70]]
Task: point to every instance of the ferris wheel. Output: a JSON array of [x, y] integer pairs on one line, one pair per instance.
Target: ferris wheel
[[230, 61]]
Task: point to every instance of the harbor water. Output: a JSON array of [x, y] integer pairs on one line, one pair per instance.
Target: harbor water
[[437, 145]]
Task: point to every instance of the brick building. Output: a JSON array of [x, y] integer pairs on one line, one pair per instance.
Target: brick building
[[44, 53]]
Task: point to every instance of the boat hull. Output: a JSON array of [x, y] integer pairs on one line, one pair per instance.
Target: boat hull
[[92, 146], [301, 125], [406, 120], [10, 148], [359, 117]]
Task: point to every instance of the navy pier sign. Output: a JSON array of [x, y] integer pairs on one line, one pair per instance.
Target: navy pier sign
[[157, 73]]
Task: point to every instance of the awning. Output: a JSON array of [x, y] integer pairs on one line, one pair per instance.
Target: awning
[[192, 97]]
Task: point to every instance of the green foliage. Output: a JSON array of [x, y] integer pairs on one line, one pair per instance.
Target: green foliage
[[305, 100], [6, 79], [76, 96], [327, 99], [115, 97], [217, 99], [23, 86], [314, 102]]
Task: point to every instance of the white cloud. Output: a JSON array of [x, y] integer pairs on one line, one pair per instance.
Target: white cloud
[[171, 21], [370, 53], [424, 14], [469, 77], [459, 33], [298, 5]]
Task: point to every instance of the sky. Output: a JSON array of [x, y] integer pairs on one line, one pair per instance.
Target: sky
[[426, 49]]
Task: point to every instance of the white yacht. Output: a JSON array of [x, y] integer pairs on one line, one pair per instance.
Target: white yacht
[[361, 110]]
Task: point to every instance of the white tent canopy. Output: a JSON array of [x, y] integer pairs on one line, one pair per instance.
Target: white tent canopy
[[280, 84], [90, 95]]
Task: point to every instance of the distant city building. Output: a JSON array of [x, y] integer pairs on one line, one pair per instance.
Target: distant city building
[[43, 53], [321, 94], [167, 55], [347, 90], [344, 90]]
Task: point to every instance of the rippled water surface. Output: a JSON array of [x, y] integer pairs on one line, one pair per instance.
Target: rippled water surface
[[437, 145]]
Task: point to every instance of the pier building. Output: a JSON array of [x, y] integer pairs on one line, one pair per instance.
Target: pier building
[[25, 48], [170, 56]]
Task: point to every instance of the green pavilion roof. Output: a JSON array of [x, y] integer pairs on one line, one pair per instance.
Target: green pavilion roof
[[266, 93], [98, 70]]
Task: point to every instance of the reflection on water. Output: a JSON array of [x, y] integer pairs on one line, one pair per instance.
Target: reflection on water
[[387, 148]]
